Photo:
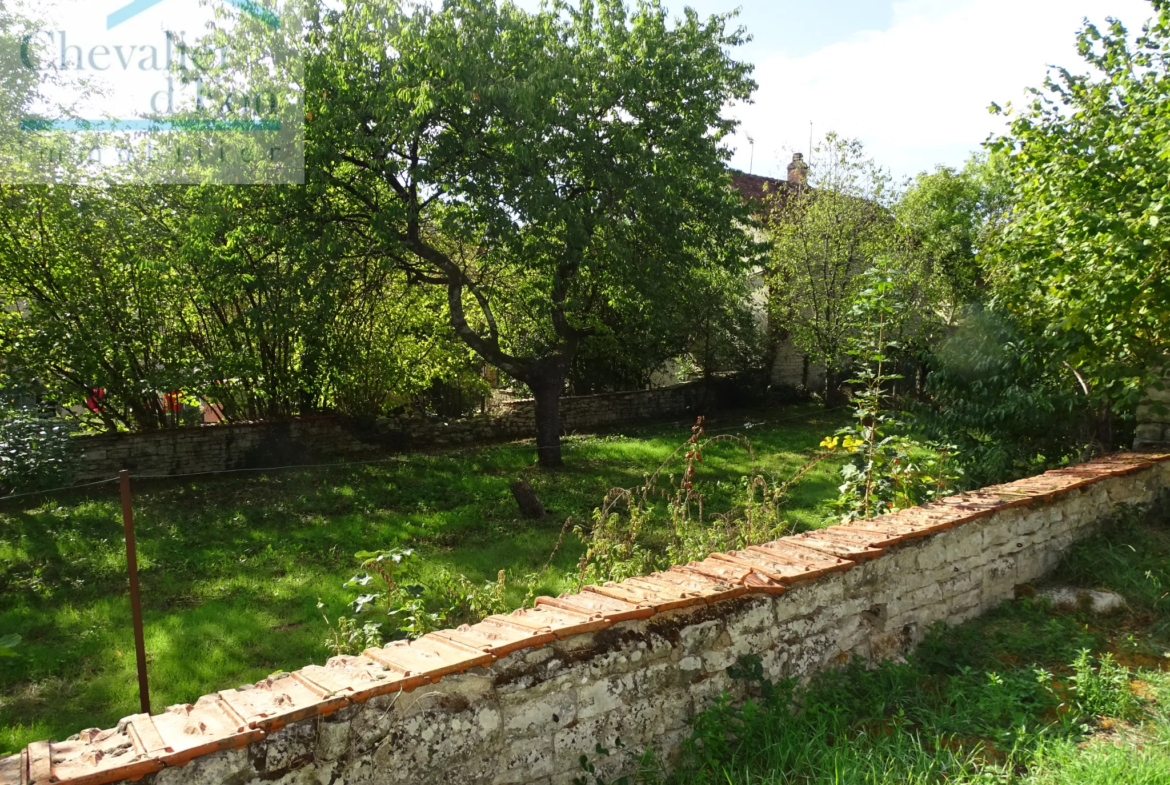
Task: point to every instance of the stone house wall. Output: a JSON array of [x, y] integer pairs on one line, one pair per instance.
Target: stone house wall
[[314, 439], [790, 369], [518, 698]]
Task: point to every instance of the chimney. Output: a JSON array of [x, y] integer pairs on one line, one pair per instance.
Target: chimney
[[798, 170]]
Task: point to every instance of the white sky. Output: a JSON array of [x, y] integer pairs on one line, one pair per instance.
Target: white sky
[[916, 89], [911, 78]]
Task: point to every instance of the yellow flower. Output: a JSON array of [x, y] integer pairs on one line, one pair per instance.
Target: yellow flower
[[830, 442], [852, 444]]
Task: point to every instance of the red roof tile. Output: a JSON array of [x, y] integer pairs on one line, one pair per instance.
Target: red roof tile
[[660, 598], [842, 544], [428, 657], [783, 568], [559, 622], [589, 601], [710, 589], [357, 678], [495, 638]]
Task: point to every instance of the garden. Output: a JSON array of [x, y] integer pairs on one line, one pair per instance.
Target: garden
[[459, 242]]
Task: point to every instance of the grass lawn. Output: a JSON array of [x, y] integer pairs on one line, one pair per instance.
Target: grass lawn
[[1024, 695], [232, 567]]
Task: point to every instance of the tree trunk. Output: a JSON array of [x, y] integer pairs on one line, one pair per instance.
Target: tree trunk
[[546, 391], [1104, 427], [832, 388], [527, 500]]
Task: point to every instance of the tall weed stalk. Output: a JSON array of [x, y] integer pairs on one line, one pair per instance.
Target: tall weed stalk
[[666, 520]]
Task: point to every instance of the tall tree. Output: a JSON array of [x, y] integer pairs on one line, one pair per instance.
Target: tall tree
[[543, 169], [1085, 259], [951, 216], [824, 236]]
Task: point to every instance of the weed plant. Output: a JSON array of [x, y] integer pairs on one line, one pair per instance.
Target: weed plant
[[668, 519], [887, 469]]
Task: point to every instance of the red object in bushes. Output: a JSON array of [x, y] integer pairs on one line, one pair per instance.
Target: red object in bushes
[[174, 401], [93, 402]]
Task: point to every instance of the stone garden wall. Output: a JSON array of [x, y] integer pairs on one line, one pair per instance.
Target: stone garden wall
[[518, 698], [213, 448], [1153, 418]]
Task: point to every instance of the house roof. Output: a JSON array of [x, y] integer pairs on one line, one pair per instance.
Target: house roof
[[753, 186], [769, 189], [768, 194]]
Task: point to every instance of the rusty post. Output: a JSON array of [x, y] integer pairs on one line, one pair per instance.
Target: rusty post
[[135, 597]]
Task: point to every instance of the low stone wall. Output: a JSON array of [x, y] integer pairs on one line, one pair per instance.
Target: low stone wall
[[1153, 418], [213, 448], [518, 698]]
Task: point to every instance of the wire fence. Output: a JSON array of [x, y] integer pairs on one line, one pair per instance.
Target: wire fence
[[55, 490]]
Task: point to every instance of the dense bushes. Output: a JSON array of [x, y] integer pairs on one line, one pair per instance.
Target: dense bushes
[[1009, 409]]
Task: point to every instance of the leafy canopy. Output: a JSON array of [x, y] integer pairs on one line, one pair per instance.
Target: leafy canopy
[[951, 216], [554, 173], [1085, 259], [824, 237], [543, 168]]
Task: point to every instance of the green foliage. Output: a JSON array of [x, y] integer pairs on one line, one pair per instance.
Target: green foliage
[[36, 451], [951, 216], [887, 470], [8, 643], [1025, 630], [1102, 687], [1083, 259], [98, 301], [1002, 399], [347, 637], [823, 237], [448, 200], [139, 292], [526, 164], [668, 521], [416, 605], [711, 327]]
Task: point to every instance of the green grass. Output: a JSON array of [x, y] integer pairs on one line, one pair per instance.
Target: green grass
[[1022, 695], [231, 569]]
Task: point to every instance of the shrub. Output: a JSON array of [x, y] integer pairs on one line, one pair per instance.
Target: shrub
[[393, 582], [887, 470], [667, 520], [999, 398], [1102, 687]]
